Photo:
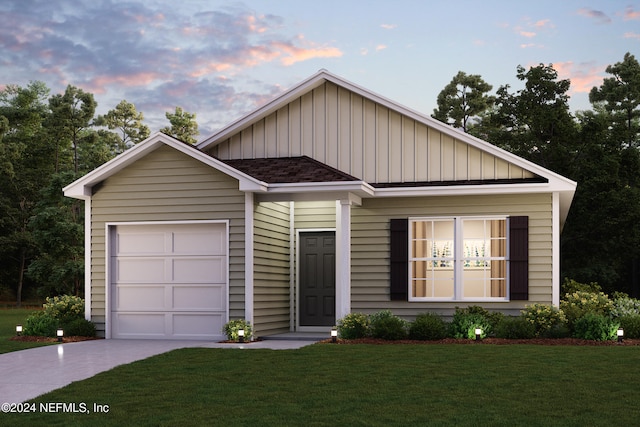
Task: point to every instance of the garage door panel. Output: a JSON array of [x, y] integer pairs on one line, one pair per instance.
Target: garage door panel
[[199, 297], [199, 270], [211, 242], [197, 325], [132, 297], [150, 325], [131, 243], [147, 270]]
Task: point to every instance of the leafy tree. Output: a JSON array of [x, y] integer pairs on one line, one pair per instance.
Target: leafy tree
[[26, 162], [620, 97], [183, 126], [535, 122], [71, 114], [128, 121], [464, 98], [57, 230]]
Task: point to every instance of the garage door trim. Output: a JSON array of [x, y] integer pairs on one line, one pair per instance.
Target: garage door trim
[[110, 229]]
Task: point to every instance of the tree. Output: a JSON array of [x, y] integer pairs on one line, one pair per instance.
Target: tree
[[26, 161], [183, 126], [620, 96], [71, 114], [535, 122], [128, 121], [462, 99]]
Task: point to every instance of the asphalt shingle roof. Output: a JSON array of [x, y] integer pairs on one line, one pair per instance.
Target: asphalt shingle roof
[[289, 170]]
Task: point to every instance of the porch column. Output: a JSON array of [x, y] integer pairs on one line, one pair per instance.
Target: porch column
[[248, 258], [343, 258]]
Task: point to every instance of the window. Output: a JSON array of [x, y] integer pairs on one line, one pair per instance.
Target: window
[[461, 258]]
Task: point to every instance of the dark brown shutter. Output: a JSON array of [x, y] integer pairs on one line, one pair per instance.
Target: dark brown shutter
[[519, 257], [399, 255]]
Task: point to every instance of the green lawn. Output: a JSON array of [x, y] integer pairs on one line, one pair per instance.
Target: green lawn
[[9, 318], [362, 385]]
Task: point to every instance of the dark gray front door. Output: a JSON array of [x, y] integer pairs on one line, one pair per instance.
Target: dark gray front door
[[317, 278]]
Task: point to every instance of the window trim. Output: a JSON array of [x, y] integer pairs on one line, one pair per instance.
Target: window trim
[[458, 269]]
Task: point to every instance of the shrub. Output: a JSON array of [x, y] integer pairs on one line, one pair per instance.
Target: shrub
[[570, 286], [64, 308], [40, 324], [79, 328], [559, 330], [353, 326], [465, 322], [624, 306], [596, 327], [577, 304], [631, 326], [386, 326], [428, 326], [515, 328], [543, 317], [231, 328]]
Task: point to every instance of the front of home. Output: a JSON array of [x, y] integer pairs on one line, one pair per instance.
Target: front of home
[[328, 200]]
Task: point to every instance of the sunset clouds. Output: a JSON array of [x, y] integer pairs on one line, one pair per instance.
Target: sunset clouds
[[221, 59]]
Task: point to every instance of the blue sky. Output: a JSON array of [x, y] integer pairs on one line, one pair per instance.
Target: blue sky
[[222, 59]]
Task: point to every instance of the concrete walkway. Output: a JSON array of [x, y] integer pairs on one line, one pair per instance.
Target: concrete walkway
[[27, 374]]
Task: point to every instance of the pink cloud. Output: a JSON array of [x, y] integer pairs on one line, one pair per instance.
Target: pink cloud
[[583, 76], [527, 34], [543, 23], [631, 35], [99, 83], [388, 26], [381, 47], [630, 14], [295, 54]]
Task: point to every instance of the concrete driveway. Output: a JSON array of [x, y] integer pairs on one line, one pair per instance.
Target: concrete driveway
[[27, 374]]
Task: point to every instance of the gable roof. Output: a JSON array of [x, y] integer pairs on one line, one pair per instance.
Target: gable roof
[[81, 188]]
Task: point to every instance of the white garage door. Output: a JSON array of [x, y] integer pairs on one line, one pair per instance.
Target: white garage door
[[168, 281]]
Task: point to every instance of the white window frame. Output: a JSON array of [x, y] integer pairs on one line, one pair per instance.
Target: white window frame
[[458, 257]]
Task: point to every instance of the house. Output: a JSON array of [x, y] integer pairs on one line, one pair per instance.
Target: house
[[329, 199]]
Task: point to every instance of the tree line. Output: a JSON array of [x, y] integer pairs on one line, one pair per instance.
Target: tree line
[[46, 142], [599, 148]]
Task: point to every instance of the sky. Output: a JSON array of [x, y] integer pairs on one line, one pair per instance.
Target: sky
[[223, 59]]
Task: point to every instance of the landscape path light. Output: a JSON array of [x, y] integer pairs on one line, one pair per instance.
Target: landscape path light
[[59, 334], [334, 335], [620, 334], [241, 335], [18, 330], [478, 333]]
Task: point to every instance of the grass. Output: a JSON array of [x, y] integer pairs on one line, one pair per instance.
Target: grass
[[9, 318], [362, 385]]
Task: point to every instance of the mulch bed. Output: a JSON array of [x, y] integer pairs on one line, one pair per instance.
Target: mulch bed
[[495, 341]]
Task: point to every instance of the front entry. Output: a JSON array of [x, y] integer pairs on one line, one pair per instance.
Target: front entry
[[317, 288]]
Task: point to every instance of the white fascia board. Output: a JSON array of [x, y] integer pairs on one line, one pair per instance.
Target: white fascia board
[[357, 187], [81, 188]]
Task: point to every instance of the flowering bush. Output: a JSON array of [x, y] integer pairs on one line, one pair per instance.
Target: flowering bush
[[543, 317], [624, 306], [353, 325], [575, 305], [64, 308], [630, 325], [231, 328]]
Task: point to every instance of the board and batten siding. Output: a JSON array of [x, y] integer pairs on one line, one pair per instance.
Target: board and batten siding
[[364, 139], [167, 185], [271, 281], [370, 247]]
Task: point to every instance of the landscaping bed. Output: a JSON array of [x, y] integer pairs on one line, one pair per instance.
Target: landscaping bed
[[495, 341]]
